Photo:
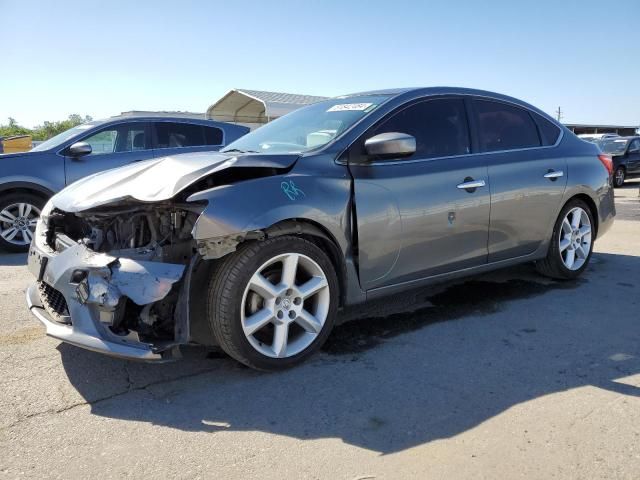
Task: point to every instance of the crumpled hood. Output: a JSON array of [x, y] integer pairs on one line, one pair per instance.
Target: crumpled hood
[[158, 179]]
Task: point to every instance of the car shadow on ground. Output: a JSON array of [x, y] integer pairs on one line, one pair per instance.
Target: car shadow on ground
[[476, 349]]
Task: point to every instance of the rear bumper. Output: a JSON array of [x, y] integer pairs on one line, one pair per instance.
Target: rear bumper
[[606, 211]]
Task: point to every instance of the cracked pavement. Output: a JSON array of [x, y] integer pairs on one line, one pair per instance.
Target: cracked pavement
[[501, 376]]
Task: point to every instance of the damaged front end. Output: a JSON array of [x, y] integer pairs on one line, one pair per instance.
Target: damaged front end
[[115, 278]]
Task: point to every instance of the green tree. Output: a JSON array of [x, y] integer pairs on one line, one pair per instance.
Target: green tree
[[12, 129], [44, 131]]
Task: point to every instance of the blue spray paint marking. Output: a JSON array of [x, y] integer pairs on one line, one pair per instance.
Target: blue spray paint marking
[[291, 190]]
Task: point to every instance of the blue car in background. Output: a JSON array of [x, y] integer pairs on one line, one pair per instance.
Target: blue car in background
[[28, 180]]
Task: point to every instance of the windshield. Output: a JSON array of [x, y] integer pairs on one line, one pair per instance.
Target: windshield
[[614, 147], [62, 137], [309, 127]]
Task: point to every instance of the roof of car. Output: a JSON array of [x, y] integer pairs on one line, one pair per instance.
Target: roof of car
[[431, 91], [426, 91], [164, 118]]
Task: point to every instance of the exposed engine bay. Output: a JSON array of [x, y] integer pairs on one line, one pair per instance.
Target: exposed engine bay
[[155, 232], [145, 250]]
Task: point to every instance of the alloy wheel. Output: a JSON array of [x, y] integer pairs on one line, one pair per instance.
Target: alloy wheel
[[285, 305], [575, 238], [18, 223]]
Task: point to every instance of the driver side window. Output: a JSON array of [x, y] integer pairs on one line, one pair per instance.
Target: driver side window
[[118, 139], [439, 127], [102, 142], [635, 146]]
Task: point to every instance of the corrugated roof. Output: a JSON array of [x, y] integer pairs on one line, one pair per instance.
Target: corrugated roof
[[255, 107], [281, 97]]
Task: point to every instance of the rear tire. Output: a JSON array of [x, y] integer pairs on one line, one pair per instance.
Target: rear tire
[[19, 213], [571, 243], [268, 319], [619, 177]]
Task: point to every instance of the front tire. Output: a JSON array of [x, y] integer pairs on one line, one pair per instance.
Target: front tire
[[571, 242], [19, 213], [272, 304], [619, 177]]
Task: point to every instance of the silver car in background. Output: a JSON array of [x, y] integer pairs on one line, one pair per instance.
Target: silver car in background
[[255, 248]]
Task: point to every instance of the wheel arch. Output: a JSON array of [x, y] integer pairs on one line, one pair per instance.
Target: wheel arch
[[320, 236], [26, 187]]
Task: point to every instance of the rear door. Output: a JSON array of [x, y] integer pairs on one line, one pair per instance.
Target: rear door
[[172, 138], [111, 147], [413, 218], [526, 175]]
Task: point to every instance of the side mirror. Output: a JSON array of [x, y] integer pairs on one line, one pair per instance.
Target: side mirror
[[390, 145], [80, 149]]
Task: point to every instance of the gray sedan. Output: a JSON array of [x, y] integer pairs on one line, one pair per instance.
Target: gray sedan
[[257, 247]]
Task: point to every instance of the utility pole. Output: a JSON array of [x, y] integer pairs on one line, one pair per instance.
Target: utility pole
[[559, 114]]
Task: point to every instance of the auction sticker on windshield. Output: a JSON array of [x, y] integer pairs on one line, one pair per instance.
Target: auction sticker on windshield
[[345, 107]]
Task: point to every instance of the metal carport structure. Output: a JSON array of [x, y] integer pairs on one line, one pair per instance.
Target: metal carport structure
[[255, 107]]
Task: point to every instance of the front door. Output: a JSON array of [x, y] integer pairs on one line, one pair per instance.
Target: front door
[[111, 147], [414, 216]]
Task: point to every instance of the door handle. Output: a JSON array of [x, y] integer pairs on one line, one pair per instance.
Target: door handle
[[552, 174], [471, 184]]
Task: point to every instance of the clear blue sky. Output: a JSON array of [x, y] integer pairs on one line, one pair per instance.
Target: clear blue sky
[[101, 58]]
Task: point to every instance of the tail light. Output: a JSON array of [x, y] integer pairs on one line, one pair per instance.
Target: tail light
[[607, 161]]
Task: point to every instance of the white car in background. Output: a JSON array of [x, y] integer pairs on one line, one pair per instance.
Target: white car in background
[[594, 137]]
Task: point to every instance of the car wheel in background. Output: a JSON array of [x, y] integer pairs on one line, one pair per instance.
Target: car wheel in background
[[618, 177], [19, 213], [571, 242], [273, 303]]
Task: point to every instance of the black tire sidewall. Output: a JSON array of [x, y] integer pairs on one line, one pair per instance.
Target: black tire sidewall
[[615, 177], [266, 251], [556, 256], [18, 197]]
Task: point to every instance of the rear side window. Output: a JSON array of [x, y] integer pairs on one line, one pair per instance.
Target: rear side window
[[504, 127], [439, 127], [549, 132], [212, 136], [175, 135]]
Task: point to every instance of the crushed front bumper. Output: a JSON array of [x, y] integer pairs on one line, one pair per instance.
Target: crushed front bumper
[[77, 293]]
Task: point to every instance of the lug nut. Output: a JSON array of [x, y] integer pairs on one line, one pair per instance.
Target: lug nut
[[292, 314], [280, 314]]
